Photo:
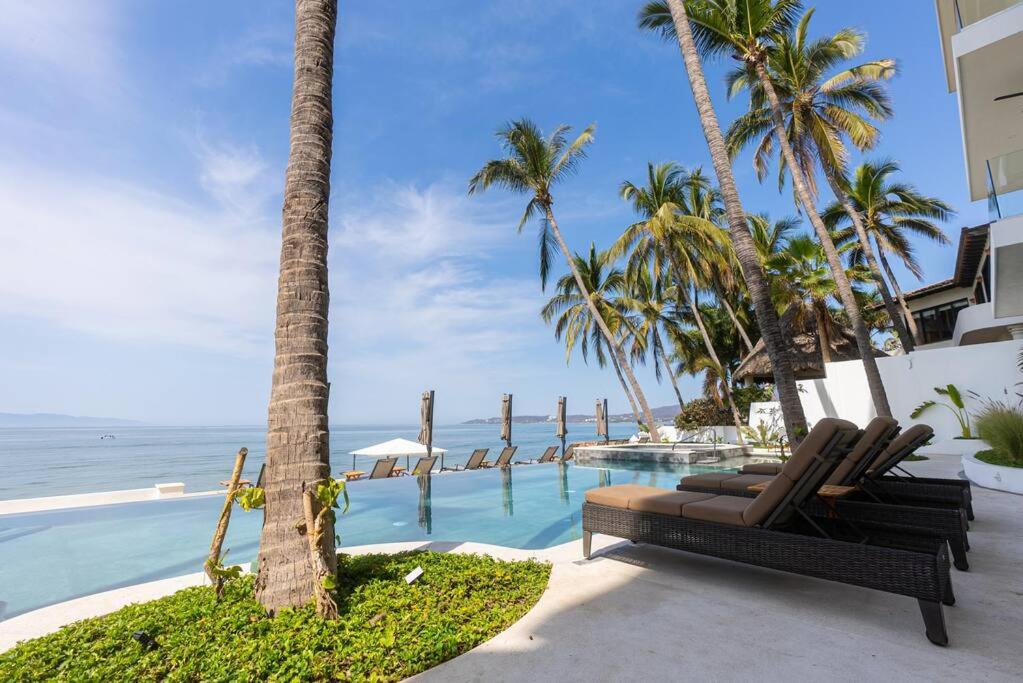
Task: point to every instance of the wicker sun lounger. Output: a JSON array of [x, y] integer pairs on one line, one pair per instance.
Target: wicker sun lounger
[[773, 530], [548, 456], [504, 459], [424, 466], [886, 485], [867, 512], [383, 468], [474, 462]]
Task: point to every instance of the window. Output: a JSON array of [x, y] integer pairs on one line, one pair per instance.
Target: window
[[939, 322]]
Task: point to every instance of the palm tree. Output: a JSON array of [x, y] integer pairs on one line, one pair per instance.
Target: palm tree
[[298, 439], [575, 318], [669, 18], [820, 113], [651, 303], [746, 31], [890, 212], [665, 235], [533, 165], [805, 281], [691, 353], [770, 237]]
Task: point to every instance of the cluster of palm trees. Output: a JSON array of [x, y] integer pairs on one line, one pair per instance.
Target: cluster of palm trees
[[691, 283]]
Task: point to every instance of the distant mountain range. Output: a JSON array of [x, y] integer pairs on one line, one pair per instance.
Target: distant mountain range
[[666, 413], [56, 420]]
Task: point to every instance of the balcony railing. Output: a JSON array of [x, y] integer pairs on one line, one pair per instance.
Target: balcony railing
[[971, 11], [1005, 185]]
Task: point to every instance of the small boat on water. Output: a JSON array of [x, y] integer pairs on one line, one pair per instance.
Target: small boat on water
[[108, 436]]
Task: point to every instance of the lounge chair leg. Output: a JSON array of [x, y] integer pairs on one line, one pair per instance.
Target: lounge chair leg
[[587, 541], [959, 560], [934, 621], [969, 510], [950, 597]]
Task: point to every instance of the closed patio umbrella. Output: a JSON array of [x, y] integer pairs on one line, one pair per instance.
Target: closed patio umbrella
[[602, 419], [426, 424], [561, 431], [506, 419]]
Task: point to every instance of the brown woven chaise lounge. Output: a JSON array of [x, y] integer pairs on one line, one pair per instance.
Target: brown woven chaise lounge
[[884, 484], [424, 466], [504, 459], [773, 530], [548, 456], [474, 462], [383, 468], [863, 508]]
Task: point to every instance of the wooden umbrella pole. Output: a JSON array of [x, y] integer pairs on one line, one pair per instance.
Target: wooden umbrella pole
[[225, 517]]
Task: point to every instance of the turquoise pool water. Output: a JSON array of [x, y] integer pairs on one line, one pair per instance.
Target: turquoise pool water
[[49, 557]]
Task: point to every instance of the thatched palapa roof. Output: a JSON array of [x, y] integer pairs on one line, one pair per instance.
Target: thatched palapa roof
[[804, 349]]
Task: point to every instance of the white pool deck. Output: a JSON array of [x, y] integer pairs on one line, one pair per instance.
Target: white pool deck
[[641, 612]]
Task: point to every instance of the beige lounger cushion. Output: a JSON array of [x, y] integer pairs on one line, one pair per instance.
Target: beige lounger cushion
[[667, 502], [618, 496], [875, 430], [742, 482], [762, 468], [902, 440], [795, 467], [709, 480], [719, 509]]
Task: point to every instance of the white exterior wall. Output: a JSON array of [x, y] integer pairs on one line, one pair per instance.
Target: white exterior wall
[[990, 370]]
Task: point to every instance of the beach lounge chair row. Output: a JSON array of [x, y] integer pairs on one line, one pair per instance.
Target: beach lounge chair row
[[477, 459], [871, 505], [780, 529]]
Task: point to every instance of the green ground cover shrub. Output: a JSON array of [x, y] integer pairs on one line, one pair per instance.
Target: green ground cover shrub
[[387, 629], [1000, 425]]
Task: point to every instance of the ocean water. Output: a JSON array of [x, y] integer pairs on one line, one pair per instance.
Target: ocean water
[[49, 462]]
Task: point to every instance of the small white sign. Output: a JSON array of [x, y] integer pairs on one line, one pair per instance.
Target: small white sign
[[414, 574]]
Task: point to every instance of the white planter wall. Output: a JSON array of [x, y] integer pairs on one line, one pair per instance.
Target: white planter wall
[[993, 476], [990, 370]]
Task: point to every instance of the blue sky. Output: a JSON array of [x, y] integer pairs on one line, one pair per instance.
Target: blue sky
[[140, 190]]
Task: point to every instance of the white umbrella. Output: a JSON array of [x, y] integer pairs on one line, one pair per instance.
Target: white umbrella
[[393, 449]]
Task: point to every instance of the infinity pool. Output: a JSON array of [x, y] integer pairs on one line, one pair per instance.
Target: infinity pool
[[49, 557]]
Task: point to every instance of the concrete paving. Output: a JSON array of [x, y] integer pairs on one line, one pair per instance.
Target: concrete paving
[[648, 613]]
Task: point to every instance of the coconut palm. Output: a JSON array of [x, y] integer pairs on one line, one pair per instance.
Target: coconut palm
[[691, 357], [533, 165], [686, 243], [651, 303], [298, 442], [770, 237], [804, 280], [670, 19], [747, 30], [575, 318], [891, 212], [821, 113]]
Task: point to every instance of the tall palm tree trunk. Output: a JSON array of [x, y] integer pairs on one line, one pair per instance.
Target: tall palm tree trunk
[[616, 348], [823, 338], [709, 345], [298, 448], [742, 242], [659, 350], [882, 287], [625, 388], [845, 292], [738, 325], [907, 314]]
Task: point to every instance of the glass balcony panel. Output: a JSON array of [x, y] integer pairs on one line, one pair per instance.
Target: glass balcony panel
[[1005, 185], [971, 11]]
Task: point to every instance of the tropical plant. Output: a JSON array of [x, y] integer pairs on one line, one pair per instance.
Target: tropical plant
[[821, 112], [666, 234], [670, 19], [691, 357], [532, 165], [891, 212], [747, 31], [298, 440], [574, 316], [762, 435], [1000, 425], [956, 404], [770, 237], [803, 280]]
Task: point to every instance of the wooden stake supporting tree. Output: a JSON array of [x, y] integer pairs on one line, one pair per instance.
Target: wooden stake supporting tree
[[214, 563]]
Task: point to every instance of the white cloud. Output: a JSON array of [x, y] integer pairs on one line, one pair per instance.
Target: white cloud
[[117, 261], [237, 177]]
